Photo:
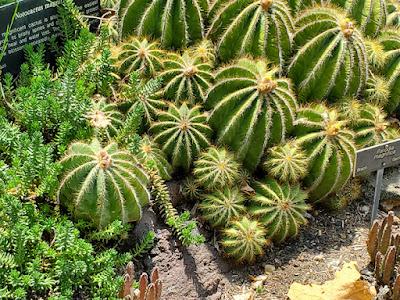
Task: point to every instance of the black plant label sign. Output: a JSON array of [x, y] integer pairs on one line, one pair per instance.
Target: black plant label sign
[[36, 22]]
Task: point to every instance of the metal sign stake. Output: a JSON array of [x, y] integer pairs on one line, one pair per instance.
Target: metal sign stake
[[377, 194]]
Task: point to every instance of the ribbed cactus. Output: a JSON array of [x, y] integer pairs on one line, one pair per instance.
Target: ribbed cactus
[[223, 206], [393, 17], [391, 44], [244, 240], [149, 151], [371, 127], [105, 119], [286, 162], [341, 199], [280, 208], [191, 189], [331, 60], [176, 23], [259, 28], [182, 132], [140, 54], [186, 77], [249, 108], [377, 90], [102, 184], [375, 53], [216, 168], [349, 109], [205, 51], [330, 147]]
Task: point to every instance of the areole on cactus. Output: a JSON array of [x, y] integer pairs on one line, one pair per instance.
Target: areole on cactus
[[331, 60], [250, 107], [102, 184]]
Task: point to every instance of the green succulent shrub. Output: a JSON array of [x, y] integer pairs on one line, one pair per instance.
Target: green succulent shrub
[[102, 184], [186, 78], [329, 145], [244, 239], [222, 206], [258, 28], [176, 23], [286, 162], [280, 208], [331, 60], [140, 54], [182, 132], [150, 151], [391, 44], [249, 108], [216, 168]]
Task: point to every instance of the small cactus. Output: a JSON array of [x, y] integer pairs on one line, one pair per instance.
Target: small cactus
[[191, 189], [377, 90], [216, 168], [204, 51], [286, 162], [244, 240], [222, 206], [350, 192], [375, 53], [393, 17], [280, 208]]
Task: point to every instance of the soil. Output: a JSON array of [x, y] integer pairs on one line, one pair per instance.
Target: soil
[[200, 272]]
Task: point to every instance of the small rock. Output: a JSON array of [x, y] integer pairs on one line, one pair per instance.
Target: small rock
[[364, 209], [319, 257], [269, 268], [244, 296]]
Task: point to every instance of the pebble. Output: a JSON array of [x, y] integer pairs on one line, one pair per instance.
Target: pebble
[[319, 257], [364, 209], [269, 268]]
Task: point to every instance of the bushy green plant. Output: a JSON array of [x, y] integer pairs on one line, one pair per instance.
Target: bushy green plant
[[216, 168], [222, 206], [280, 208], [186, 78], [249, 108], [182, 132], [286, 162], [102, 184], [176, 24], [329, 145], [244, 240], [331, 59], [259, 28]]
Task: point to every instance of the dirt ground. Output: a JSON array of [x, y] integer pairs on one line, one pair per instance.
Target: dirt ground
[[200, 272]]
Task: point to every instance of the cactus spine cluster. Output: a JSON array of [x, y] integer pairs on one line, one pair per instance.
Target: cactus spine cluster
[[280, 208], [393, 16], [331, 60], [182, 133], [249, 108], [103, 184], [259, 28], [329, 145]]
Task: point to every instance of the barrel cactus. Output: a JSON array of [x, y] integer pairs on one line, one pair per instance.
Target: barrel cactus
[[377, 90], [244, 240], [222, 206], [216, 168], [175, 23], [191, 189], [280, 208], [249, 107], [204, 50], [186, 77], [149, 151], [102, 184], [140, 54], [331, 60], [259, 28], [391, 44], [286, 162], [375, 53], [182, 132], [329, 145]]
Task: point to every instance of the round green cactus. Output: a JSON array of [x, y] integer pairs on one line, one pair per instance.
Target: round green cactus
[[286, 162], [216, 168], [377, 90], [349, 109], [149, 151], [138, 54], [186, 77], [329, 145], [375, 53], [105, 119], [102, 184], [244, 240], [371, 127], [182, 132], [331, 60], [391, 44], [175, 23], [250, 107], [191, 189], [259, 28], [280, 208], [222, 206], [205, 51]]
